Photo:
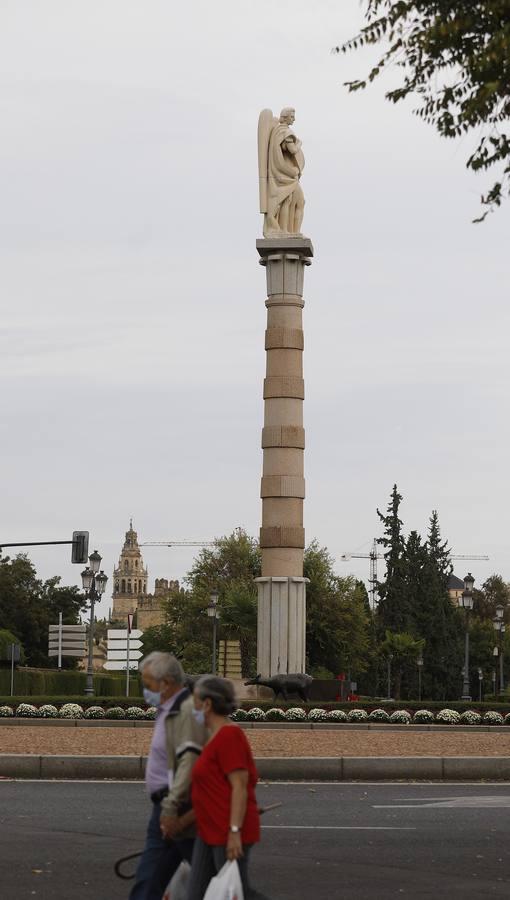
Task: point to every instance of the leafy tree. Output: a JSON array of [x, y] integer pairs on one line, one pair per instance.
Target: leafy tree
[[404, 650], [494, 592], [455, 56], [28, 606], [393, 611], [7, 639], [160, 637], [338, 620]]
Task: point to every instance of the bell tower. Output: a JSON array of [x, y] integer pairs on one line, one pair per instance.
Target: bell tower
[[129, 578]]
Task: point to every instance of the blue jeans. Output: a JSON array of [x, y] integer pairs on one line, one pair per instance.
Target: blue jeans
[[159, 860], [207, 862]]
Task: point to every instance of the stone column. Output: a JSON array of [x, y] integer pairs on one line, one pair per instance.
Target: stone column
[[281, 646]]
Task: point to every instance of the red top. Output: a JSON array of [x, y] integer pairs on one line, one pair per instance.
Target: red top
[[211, 791]]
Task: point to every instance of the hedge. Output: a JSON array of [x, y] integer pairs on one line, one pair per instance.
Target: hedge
[[51, 683]]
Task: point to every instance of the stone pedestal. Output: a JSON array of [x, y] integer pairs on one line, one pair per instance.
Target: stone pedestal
[[282, 603]]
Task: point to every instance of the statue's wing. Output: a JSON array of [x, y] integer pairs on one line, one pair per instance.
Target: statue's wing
[[266, 124]]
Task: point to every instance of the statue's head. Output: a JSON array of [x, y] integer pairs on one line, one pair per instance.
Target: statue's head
[[288, 115]]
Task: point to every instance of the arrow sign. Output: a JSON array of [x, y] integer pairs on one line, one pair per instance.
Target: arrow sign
[[69, 645], [121, 634], [67, 652], [121, 654], [80, 629], [119, 666], [122, 645]]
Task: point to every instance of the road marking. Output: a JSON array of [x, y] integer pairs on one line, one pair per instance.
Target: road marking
[[450, 803], [337, 828]]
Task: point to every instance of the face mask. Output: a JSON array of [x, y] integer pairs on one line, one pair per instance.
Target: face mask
[[152, 697], [199, 716]]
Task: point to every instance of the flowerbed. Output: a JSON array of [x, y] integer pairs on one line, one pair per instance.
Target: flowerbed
[[276, 714]]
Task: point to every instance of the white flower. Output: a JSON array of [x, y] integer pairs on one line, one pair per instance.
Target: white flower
[[357, 715], [448, 717], [94, 712], [295, 714], [6, 711], [423, 717], [493, 718], [379, 715], [71, 711], [134, 712], [256, 714], [470, 717], [276, 714], [318, 715], [150, 712], [26, 710], [115, 712], [337, 715], [400, 717], [48, 711]]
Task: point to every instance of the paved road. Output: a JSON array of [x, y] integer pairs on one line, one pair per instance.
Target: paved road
[[349, 841]]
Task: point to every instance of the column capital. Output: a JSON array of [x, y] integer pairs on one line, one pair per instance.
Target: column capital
[[301, 245]]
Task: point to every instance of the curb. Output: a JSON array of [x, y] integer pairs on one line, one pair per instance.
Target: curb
[[261, 726], [341, 768]]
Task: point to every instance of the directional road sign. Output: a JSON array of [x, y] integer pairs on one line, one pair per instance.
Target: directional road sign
[[71, 629], [121, 654], [67, 652], [120, 634], [120, 666], [122, 645]]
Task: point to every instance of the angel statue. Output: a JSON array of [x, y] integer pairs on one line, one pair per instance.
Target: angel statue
[[281, 163]]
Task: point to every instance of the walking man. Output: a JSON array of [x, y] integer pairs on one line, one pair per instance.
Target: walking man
[[176, 744]]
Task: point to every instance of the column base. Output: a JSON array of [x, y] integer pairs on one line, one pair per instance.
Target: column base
[[281, 627]]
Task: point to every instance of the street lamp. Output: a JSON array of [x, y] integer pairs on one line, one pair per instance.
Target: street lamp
[[94, 584], [499, 627], [419, 663], [212, 612], [467, 603], [390, 657]]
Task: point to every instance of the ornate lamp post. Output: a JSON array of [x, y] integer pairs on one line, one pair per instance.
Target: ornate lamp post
[[94, 583], [419, 663], [212, 612], [467, 603], [500, 628]]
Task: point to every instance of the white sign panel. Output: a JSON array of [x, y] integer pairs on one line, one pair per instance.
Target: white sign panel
[[117, 666], [121, 634], [122, 645], [78, 629], [67, 652], [121, 654]]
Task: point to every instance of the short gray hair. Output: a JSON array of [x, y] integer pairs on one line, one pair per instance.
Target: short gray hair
[[163, 666], [219, 691]]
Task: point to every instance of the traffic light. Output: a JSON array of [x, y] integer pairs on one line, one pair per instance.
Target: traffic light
[[80, 547]]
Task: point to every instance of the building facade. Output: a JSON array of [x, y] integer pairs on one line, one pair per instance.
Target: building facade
[[129, 578], [130, 588]]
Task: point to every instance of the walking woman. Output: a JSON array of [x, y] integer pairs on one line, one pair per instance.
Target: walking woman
[[222, 790]]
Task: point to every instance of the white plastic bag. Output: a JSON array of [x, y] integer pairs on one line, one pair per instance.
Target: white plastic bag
[[178, 885], [226, 885]]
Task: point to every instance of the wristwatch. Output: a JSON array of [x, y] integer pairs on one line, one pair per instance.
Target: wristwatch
[[234, 829]]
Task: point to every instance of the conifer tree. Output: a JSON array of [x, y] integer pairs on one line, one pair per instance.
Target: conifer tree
[[437, 621], [393, 611]]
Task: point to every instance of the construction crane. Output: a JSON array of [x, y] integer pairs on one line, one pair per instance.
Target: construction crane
[[373, 556], [178, 544]]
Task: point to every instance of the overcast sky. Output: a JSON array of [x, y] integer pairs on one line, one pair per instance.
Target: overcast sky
[[133, 317]]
